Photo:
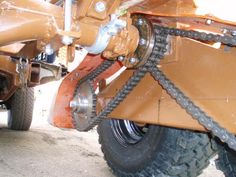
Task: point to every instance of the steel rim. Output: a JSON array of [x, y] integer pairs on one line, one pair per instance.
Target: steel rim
[[127, 132]]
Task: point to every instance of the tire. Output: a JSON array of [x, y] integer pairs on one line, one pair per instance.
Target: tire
[[21, 106], [226, 161], [159, 152]]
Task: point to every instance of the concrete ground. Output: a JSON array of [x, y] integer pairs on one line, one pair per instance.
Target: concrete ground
[[46, 151]]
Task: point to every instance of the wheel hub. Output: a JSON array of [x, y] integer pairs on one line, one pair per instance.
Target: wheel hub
[[83, 105], [127, 132], [146, 43]]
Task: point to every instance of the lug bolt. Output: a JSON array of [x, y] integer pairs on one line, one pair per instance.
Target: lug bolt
[[133, 60], [140, 21], [100, 6], [121, 58], [142, 42]]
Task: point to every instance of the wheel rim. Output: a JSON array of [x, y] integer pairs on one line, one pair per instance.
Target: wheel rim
[[127, 132]]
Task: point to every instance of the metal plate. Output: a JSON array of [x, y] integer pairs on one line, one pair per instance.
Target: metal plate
[[83, 105]]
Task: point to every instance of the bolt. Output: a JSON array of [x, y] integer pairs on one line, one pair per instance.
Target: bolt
[[49, 50], [142, 42], [233, 33], [208, 22], [67, 40], [73, 104], [133, 60], [121, 58], [224, 31], [100, 6], [140, 21]]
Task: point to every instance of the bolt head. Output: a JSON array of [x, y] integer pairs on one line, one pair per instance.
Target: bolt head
[[133, 60], [140, 21], [73, 104], [67, 40], [142, 42], [49, 50], [100, 6], [121, 58], [208, 21], [224, 31], [233, 33]]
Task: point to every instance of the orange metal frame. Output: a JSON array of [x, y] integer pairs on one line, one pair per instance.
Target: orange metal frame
[[62, 116], [182, 14]]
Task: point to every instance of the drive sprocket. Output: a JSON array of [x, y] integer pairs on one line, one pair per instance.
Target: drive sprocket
[[83, 105]]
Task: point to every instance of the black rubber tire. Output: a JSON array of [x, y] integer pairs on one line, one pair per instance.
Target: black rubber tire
[[226, 161], [161, 152], [21, 106]]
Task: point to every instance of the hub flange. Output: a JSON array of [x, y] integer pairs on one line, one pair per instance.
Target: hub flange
[[83, 105], [146, 42]]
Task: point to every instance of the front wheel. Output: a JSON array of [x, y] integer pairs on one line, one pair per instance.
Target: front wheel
[[132, 150], [21, 106]]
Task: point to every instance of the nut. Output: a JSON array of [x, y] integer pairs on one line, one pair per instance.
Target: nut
[[133, 60], [121, 58], [100, 6], [140, 22]]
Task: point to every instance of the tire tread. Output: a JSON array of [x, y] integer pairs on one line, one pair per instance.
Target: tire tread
[[187, 157], [226, 161], [21, 109]]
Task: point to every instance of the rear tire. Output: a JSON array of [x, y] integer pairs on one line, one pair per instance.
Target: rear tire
[[21, 106], [160, 152]]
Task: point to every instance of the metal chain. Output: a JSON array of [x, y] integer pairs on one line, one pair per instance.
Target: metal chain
[[193, 110], [202, 36], [100, 69], [183, 100], [89, 78], [95, 73], [158, 52]]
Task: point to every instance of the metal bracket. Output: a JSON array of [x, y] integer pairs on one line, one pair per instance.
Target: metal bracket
[[105, 33], [22, 69]]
